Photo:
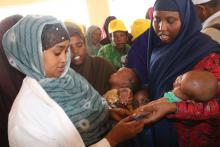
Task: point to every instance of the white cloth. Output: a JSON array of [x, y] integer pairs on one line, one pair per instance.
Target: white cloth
[[207, 22], [35, 120], [196, 2]]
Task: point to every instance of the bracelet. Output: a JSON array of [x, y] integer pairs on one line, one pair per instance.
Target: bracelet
[[170, 96]]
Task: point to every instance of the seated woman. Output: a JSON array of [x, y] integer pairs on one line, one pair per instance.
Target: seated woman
[[172, 46], [55, 106], [10, 81], [93, 38], [116, 51]]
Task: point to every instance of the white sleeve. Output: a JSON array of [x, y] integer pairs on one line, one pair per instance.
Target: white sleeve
[[35, 120], [102, 143]]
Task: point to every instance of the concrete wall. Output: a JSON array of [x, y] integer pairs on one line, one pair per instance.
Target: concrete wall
[[98, 11]]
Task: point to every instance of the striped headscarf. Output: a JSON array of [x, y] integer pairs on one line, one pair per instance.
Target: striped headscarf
[[82, 104]]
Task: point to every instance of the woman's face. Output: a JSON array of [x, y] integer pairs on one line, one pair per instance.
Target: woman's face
[[78, 50], [55, 59], [96, 36], [166, 24], [119, 39]]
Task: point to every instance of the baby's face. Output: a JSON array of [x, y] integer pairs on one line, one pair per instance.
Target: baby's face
[[121, 79], [178, 89]]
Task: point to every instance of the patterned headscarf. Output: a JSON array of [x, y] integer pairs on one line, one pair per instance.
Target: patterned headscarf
[[92, 49], [83, 105], [53, 34]]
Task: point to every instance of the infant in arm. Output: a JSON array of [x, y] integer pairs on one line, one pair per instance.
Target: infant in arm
[[124, 92], [198, 86]]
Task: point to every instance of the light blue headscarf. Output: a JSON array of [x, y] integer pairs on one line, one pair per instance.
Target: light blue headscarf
[[83, 105]]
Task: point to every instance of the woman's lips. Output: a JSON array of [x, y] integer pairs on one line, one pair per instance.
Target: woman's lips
[[76, 58], [60, 69], [164, 37]]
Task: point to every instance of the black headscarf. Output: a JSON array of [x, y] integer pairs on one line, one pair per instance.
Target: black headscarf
[[106, 40], [165, 5]]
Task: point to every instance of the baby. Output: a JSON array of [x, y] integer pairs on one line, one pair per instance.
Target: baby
[[198, 86], [124, 92]]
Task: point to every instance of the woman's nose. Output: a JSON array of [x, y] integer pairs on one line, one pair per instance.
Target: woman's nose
[[162, 26], [63, 57]]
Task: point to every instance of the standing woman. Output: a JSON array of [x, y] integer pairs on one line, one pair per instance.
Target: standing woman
[[171, 47], [93, 38], [55, 106]]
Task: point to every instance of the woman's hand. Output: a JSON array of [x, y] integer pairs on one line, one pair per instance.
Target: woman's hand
[[123, 130], [118, 113], [156, 110]]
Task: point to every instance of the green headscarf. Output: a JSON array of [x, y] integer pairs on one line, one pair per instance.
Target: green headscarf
[[83, 105]]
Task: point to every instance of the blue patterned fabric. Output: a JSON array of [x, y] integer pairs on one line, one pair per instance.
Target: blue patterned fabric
[[83, 105]]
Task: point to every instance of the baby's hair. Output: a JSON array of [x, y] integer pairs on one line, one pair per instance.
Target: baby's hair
[[200, 85]]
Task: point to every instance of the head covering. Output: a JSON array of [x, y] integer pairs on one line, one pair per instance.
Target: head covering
[[105, 34], [165, 5], [116, 25], [73, 29], [139, 26], [149, 13], [92, 48], [53, 34], [105, 26], [10, 81], [197, 2], [82, 104], [158, 64]]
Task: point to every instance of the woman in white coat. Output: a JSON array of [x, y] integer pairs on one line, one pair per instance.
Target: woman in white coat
[[55, 106]]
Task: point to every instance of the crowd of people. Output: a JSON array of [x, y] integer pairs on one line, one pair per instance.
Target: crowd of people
[[105, 87]]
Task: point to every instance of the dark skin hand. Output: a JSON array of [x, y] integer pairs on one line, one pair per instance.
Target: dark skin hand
[[120, 131], [119, 113], [156, 110]]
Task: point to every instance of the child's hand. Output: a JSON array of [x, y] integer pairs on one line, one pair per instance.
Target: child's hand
[[125, 96]]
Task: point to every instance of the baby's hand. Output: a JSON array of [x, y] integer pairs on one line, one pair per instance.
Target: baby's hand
[[125, 96]]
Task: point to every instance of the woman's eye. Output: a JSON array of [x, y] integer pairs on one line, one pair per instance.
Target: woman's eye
[[171, 20], [79, 45], [156, 19], [56, 53]]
